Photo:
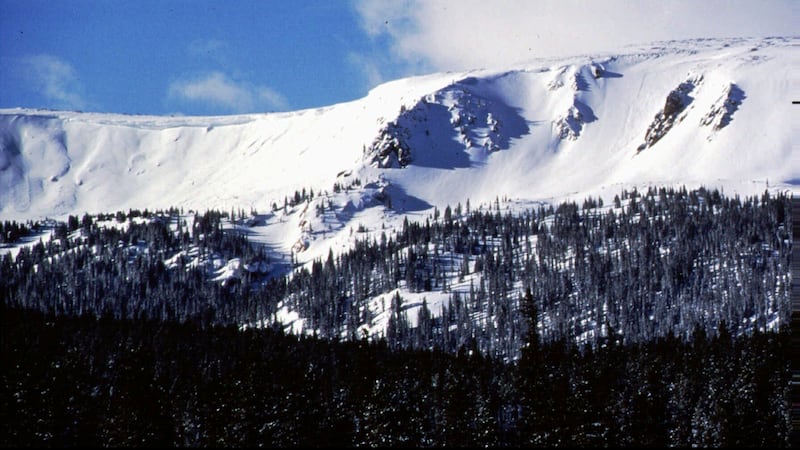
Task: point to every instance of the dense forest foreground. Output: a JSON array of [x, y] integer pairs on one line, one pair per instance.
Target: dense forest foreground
[[109, 382]]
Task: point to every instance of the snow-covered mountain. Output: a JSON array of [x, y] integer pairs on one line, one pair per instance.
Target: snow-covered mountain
[[429, 215], [713, 112]]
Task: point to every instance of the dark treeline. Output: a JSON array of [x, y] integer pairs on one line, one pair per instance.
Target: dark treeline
[[84, 381], [665, 261], [12, 231], [668, 261], [658, 322], [157, 268]]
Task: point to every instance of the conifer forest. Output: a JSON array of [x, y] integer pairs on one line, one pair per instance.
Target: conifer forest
[[660, 319]]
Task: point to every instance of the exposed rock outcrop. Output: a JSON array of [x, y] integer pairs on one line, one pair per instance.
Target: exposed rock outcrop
[[722, 110], [571, 124], [446, 128], [390, 148], [677, 102]]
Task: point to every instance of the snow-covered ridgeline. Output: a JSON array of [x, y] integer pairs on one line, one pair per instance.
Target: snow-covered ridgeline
[[700, 112]]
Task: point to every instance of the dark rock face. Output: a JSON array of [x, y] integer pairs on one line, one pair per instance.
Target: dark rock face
[[722, 110], [673, 105], [570, 125], [390, 149], [446, 129], [677, 102]]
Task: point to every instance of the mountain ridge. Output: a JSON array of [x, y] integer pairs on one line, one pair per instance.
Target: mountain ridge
[[434, 156], [555, 128]]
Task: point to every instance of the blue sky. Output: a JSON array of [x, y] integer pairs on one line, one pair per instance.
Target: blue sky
[[203, 57]]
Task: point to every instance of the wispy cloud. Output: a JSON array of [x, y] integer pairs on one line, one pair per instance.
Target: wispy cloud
[[271, 97], [368, 67], [470, 34], [56, 80], [386, 22], [218, 90]]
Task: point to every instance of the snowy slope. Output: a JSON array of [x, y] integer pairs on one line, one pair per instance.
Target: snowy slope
[[712, 112], [581, 133]]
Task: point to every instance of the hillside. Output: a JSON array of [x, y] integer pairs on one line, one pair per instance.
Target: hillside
[[705, 111], [308, 184], [586, 251]]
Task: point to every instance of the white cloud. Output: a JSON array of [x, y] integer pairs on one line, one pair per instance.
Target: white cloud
[[217, 89], [55, 79], [447, 35], [271, 97], [368, 67]]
